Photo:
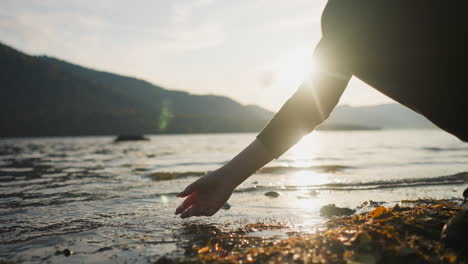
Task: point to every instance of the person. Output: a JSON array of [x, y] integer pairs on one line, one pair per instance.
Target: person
[[412, 51]]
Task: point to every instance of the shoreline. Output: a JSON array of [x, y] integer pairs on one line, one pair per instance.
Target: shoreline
[[408, 232]]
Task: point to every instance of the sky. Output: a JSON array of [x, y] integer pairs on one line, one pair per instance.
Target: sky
[[254, 51]]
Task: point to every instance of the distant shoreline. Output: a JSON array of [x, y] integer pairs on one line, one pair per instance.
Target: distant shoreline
[[210, 133]]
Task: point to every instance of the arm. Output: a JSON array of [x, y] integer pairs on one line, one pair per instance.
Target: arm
[[247, 162], [306, 109]]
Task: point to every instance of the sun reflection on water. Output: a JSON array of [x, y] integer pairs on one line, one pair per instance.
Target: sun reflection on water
[[309, 200], [306, 178], [304, 155], [305, 151]]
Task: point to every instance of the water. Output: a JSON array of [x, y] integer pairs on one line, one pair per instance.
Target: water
[[108, 203]]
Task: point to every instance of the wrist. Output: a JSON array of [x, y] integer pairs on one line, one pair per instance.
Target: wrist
[[231, 177]]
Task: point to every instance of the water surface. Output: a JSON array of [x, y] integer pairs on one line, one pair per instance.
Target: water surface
[[115, 201]]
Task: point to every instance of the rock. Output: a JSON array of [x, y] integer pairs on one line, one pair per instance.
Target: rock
[[272, 194], [121, 138], [67, 252], [360, 258], [313, 193], [331, 210], [226, 206], [465, 195], [370, 203], [104, 249], [165, 260], [455, 231]]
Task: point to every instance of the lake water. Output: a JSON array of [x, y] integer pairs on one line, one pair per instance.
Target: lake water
[[108, 203]]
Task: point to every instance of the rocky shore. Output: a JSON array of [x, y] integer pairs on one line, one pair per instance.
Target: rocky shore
[[409, 232]]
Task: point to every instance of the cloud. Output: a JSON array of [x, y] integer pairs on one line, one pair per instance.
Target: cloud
[[38, 32], [193, 37], [185, 30], [239, 48], [183, 10]]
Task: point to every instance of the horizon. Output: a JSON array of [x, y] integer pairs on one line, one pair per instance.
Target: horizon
[[163, 87], [198, 47]]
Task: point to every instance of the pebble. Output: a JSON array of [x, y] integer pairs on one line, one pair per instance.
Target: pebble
[[272, 194], [331, 210], [313, 193], [67, 252], [455, 231], [226, 206], [465, 195]]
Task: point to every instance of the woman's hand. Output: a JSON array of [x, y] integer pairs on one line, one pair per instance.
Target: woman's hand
[[205, 196], [209, 193]]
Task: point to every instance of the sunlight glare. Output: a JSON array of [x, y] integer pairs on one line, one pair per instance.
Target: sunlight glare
[[293, 69], [302, 154], [306, 178]]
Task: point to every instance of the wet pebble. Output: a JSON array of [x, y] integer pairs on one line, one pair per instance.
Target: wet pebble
[[165, 260], [465, 194], [331, 210], [313, 193], [104, 249], [272, 194], [455, 231], [67, 252], [370, 203], [226, 206]]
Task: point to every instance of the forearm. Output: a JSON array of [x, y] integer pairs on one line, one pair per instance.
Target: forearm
[[310, 105], [302, 113], [306, 109], [247, 162]]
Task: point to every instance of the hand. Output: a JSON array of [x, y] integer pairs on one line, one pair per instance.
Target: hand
[[209, 193], [205, 196]]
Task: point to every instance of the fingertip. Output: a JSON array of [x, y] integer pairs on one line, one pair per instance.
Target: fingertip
[[186, 214], [182, 194], [183, 216]]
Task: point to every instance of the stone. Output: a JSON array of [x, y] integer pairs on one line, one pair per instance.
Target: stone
[[455, 231], [331, 210], [272, 194], [122, 138]]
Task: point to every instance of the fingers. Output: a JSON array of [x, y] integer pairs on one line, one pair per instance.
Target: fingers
[[189, 201], [192, 211], [188, 190], [198, 211]]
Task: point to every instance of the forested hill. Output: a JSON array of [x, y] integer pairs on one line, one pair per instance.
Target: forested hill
[[44, 96]]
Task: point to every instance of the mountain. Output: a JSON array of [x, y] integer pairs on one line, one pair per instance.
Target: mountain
[[44, 96], [385, 116]]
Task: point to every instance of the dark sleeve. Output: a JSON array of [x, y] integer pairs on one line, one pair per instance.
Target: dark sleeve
[[313, 102]]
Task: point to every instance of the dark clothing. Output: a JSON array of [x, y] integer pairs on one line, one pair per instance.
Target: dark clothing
[[412, 51]]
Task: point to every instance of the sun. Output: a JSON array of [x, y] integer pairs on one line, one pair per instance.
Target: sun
[[292, 68]]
